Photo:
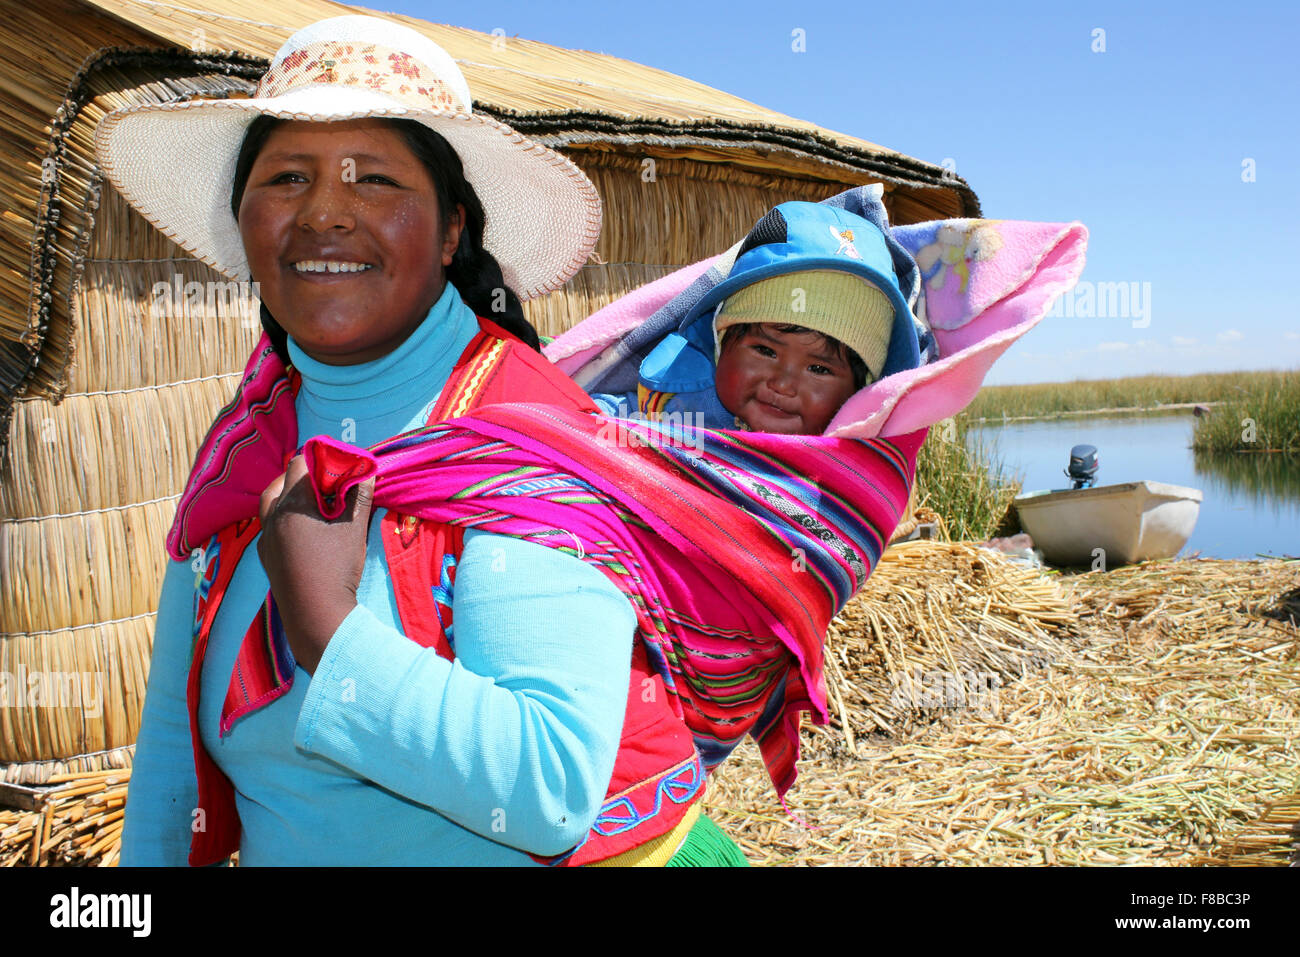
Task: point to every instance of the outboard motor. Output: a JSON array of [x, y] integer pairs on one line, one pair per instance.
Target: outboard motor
[[1083, 466]]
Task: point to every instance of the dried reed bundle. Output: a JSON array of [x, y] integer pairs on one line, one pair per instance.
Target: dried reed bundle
[[939, 620], [1159, 739], [90, 484], [915, 516], [107, 451], [80, 823], [1273, 840], [40, 773], [73, 691], [683, 210], [594, 287], [168, 319], [30, 97], [89, 568], [92, 481]]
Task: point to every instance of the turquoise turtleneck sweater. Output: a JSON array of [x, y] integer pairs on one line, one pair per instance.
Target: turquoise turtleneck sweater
[[391, 754]]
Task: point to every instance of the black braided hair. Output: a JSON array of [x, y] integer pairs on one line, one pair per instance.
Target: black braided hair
[[473, 271]]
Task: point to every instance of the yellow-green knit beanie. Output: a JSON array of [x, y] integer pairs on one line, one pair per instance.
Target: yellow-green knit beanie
[[837, 304]]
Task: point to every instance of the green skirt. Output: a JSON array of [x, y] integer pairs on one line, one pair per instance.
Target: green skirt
[[707, 845]]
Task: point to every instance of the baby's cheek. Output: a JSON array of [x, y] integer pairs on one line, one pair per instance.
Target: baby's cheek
[[727, 384], [829, 403]]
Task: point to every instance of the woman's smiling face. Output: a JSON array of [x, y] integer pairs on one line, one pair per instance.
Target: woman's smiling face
[[344, 237]]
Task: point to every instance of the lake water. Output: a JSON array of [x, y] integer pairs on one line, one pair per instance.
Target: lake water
[[1251, 505]]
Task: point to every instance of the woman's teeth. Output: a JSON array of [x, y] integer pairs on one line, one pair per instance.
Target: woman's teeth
[[321, 265]]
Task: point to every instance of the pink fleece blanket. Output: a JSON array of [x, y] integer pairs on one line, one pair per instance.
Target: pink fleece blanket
[[985, 284]]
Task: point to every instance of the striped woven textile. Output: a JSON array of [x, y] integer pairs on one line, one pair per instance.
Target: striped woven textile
[[735, 548]]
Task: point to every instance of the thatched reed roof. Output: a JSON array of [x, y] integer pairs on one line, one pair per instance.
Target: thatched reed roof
[[569, 97]]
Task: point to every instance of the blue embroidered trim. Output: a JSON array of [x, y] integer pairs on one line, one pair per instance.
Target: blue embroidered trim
[[204, 576], [679, 785], [442, 595]]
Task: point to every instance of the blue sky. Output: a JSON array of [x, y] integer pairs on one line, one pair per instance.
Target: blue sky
[[1177, 146]]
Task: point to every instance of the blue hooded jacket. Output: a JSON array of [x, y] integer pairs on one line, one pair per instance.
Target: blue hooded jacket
[[676, 379]]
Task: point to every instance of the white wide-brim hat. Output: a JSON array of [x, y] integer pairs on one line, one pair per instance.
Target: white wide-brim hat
[[175, 162]]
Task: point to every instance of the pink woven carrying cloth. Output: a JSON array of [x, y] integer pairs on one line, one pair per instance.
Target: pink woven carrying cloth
[[735, 549]]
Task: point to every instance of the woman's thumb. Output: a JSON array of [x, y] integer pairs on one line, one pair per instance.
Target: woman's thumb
[[365, 498]]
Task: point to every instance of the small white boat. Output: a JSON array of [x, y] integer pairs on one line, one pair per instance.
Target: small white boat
[[1132, 522]]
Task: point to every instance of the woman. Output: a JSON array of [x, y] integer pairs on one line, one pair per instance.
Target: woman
[[342, 718]]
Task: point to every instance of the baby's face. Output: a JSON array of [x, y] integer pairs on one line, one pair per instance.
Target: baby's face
[[785, 382]]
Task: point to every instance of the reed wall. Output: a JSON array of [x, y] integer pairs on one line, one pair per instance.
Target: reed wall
[[127, 382]]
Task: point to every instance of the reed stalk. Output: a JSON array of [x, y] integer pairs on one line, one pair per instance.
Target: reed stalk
[[964, 481]]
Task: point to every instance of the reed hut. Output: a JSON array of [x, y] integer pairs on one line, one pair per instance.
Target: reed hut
[[112, 365]]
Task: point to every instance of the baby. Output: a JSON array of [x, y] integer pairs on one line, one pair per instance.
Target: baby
[[810, 313]]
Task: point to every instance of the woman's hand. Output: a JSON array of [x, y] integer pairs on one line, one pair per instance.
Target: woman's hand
[[314, 564]]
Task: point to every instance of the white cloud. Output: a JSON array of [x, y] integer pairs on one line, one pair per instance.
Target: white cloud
[[1291, 335], [1185, 341], [1111, 346], [1230, 335]]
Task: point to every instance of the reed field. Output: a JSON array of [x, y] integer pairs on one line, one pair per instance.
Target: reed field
[[965, 483], [1139, 392], [1266, 418]]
